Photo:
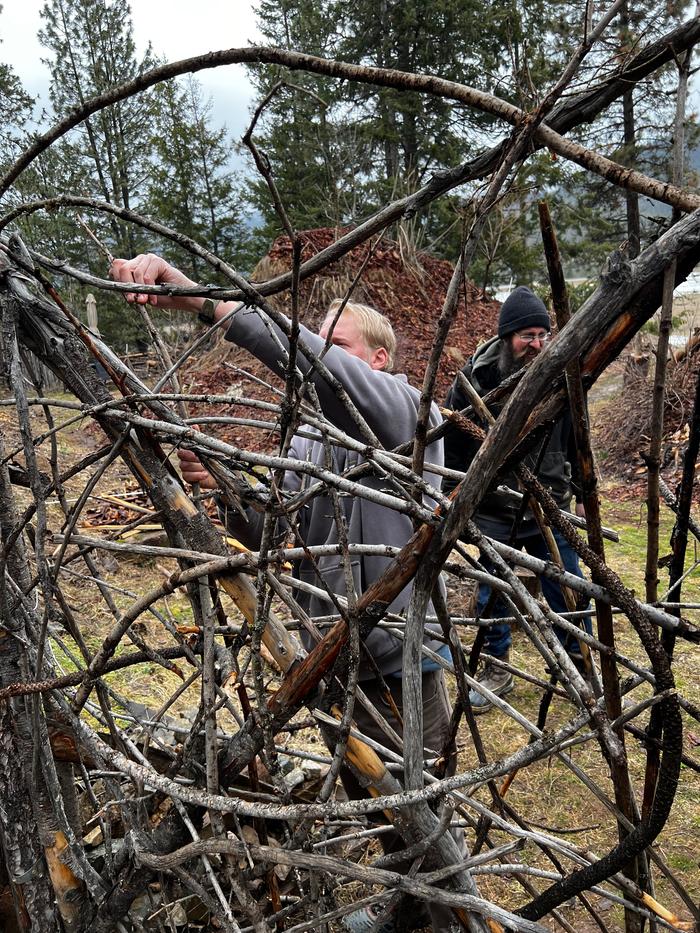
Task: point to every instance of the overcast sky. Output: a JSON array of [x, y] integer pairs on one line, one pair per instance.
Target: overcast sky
[[176, 29]]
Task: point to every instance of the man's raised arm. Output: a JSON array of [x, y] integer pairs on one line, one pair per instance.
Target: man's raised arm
[[149, 269]]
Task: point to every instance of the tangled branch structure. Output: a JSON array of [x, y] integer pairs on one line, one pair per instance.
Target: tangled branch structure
[[110, 827]]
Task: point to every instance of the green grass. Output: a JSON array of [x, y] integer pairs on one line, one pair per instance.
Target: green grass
[[550, 795], [629, 556]]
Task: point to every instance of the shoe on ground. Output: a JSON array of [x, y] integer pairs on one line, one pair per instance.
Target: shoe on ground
[[494, 678], [366, 920]]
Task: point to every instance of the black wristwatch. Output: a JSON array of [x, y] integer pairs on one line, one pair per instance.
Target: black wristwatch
[[206, 314]]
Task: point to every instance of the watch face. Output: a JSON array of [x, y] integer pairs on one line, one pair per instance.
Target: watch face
[[206, 313]]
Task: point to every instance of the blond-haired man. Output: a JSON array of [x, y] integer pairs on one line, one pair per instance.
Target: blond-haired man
[[361, 352]]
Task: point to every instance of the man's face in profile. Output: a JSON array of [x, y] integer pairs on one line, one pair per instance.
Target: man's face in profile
[[346, 335]]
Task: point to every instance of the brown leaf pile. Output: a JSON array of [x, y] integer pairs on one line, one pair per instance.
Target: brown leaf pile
[[409, 291]]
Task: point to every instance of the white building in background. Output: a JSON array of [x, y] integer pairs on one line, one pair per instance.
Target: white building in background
[[501, 292], [691, 285]]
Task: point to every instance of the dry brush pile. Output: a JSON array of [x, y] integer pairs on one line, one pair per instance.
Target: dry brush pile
[[201, 826], [623, 431]]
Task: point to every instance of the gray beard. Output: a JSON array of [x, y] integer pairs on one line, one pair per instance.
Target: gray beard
[[507, 364]]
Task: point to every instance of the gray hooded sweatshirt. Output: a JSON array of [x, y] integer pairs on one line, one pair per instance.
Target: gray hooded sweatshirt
[[389, 405]]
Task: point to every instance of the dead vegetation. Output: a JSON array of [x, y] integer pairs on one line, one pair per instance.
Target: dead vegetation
[[208, 809], [623, 425]]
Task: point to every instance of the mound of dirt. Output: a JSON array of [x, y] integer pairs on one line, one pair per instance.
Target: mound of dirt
[[409, 292]]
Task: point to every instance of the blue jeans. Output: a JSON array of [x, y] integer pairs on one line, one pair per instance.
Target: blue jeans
[[498, 636]]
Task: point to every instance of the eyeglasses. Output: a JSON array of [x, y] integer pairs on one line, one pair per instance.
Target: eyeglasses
[[530, 338]]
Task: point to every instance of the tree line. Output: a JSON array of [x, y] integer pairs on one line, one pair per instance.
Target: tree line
[[338, 150], [160, 155]]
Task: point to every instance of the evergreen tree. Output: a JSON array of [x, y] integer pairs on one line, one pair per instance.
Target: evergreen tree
[[592, 216], [15, 112], [192, 188], [308, 151], [335, 163], [154, 153], [409, 136], [107, 157], [414, 134], [92, 49], [635, 131]]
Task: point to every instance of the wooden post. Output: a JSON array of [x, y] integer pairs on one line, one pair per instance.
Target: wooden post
[[91, 305]]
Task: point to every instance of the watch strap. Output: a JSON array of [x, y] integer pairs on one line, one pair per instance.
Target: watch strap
[[206, 314]]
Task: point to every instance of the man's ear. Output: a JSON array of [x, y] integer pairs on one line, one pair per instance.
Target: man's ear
[[379, 358]]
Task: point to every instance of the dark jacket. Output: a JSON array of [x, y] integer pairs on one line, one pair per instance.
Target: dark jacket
[[496, 511], [389, 405]]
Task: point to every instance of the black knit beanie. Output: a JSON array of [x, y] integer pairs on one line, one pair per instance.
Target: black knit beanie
[[521, 309]]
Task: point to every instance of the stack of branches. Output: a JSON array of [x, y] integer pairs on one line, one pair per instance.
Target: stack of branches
[[172, 817], [622, 432]]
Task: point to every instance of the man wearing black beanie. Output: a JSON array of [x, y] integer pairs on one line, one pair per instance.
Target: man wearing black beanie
[[524, 330], [521, 310]]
